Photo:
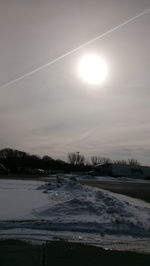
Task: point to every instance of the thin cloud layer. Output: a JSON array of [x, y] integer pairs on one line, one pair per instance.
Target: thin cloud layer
[[53, 111]]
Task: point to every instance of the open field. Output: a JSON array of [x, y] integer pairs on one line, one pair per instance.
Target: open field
[[135, 190], [17, 253]]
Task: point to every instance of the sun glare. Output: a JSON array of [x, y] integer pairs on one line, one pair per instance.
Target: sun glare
[[93, 69]]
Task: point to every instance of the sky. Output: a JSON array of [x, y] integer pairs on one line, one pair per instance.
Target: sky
[[53, 111]]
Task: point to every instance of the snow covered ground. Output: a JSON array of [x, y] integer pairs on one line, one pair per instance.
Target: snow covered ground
[[66, 209], [18, 198]]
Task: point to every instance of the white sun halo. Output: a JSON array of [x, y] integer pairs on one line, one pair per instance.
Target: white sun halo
[[93, 69]]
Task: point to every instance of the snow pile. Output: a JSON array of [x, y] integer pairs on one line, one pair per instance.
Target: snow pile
[[76, 207]]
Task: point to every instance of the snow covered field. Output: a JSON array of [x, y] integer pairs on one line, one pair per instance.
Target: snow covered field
[[18, 198], [66, 209]]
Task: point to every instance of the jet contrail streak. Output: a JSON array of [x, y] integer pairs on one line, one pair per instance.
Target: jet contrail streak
[[75, 50]]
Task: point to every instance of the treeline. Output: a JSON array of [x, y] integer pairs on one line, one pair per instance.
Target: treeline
[[77, 158], [21, 162]]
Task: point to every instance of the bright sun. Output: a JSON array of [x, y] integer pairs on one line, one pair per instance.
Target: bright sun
[[93, 69]]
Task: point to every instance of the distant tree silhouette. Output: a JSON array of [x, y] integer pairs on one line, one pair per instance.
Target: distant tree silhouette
[[133, 162], [100, 160], [95, 160], [19, 162], [75, 158], [14, 160], [48, 162], [121, 162]]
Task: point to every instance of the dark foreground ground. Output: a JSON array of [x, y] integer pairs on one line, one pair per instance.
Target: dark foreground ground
[[17, 253], [135, 190]]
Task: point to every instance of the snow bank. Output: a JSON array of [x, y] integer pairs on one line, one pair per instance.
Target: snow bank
[[76, 207]]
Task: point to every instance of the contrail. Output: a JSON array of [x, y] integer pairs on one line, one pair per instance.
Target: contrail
[[75, 49]]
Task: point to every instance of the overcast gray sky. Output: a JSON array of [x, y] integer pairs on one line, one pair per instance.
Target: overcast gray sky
[[53, 111]]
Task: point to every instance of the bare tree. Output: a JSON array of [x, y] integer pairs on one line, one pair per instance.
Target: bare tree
[[121, 162], [87, 162], [75, 158], [127, 162], [105, 160], [72, 158], [95, 160], [133, 162], [100, 160]]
